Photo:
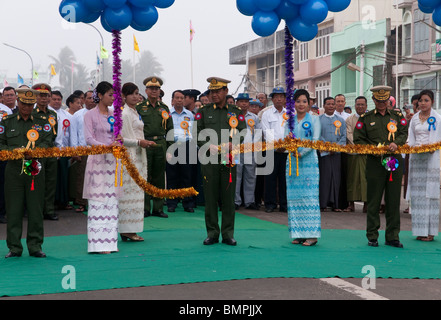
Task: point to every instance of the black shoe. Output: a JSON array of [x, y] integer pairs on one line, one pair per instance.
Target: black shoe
[[283, 209], [188, 209], [236, 207], [160, 214], [210, 241], [146, 213], [52, 217], [171, 209], [38, 254], [373, 243], [252, 206], [3, 219], [229, 241], [394, 243], [12, 254], [269, 209]]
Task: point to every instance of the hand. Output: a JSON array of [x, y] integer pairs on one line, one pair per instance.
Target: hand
[[214, 149], [168, 156], [393, 147], [146, 143], [281, 150], [116, 144]]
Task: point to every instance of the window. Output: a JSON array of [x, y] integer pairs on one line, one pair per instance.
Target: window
[[322, 91], [421, 32], [322, 42], [378, 76], [303, 51]]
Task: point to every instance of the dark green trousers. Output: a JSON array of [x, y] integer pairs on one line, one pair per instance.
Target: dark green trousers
[[156, 161], [18, 198], [51, 172], [378, 182], [217, 187]]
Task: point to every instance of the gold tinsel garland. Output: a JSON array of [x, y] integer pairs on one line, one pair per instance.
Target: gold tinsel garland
[[118, 152]]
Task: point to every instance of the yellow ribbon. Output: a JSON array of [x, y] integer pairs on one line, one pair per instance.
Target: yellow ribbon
[[165, 117], [392, 129], [184, 125], [32, 136], [52, 122], [233, 124], [285, 118], [337, 125], [251, 124]]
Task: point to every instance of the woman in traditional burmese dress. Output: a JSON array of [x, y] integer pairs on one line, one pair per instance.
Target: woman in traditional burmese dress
[[99, 180], [131, 203], [424, 170], [304, 220]]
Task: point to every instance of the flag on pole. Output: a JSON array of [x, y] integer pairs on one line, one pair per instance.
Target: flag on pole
[[53, 72], [5, 83], [20, 80], [35, 75], [192, 32], [104, 53], [135, 44]]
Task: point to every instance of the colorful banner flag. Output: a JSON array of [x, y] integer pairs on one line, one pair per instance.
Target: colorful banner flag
[[104, 53], [53, 73], [135, 44], [35, 75], [5, 83], [192, 32], [20, 80]]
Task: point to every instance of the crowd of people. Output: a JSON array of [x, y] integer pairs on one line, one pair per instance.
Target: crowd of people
[[170, 146]]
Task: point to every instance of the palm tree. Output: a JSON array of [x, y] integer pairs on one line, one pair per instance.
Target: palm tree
[[63, 65]]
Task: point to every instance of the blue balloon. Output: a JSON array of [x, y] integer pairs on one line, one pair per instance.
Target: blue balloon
[[265, 23], [144, 18], [287, 10], [73, 11], [337, 5], [437, 16], [114, 4], [163, 4], [118, 19], [301, 31], [429, 3], [92, 17], [138, 27], [141, 3], [267, 5], [105, 24], [425, 9], [94, 5], [246, 7], [313, 11], [298, 1]]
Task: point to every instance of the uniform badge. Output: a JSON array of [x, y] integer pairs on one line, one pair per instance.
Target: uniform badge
[[198, 116], [359, 125], [47, 128], [431, 121], [2, 129], [403, 122], [372, 124]]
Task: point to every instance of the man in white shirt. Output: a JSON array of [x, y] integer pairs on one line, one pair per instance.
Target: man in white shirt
[[273, 126], [340, 103], [178, 168], [9, 105]]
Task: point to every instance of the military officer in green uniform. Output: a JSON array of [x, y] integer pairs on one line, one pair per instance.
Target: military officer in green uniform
[[51, 164], [219, 176], [24, 130], [382, 126], [157, 123]]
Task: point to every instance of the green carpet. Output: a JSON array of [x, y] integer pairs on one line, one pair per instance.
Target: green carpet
[[173, 253]]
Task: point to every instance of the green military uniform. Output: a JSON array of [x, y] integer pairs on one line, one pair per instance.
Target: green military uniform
[[156, 127], [219, 180], [372, 129], [50, 164], [24, 191]]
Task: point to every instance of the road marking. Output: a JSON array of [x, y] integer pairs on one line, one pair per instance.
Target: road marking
[[356, 290]]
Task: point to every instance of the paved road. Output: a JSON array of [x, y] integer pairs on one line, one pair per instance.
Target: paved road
[[254, 289]]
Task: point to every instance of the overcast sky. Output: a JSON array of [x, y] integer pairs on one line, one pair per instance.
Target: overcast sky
[[37, 27]]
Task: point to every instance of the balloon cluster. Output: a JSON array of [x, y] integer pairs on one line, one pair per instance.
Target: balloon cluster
[[117, 15], [431, 6], [301, 16]]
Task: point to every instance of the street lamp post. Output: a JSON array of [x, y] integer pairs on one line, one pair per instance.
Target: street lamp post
[[101, 44], [32, 61]]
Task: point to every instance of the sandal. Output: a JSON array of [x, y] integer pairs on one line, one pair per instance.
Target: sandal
[[310, 242], [337, 210], [80, 209], [427, 239], [349, 209], [131, 237], [298, 241]]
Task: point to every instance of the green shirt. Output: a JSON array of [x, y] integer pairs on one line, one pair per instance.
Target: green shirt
[[372, 128], [14, 129], [212, 117], [46, 116], [155, 126]]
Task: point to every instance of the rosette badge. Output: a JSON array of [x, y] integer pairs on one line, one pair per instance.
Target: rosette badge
[[111, 121], [431, 121], [307, 127]]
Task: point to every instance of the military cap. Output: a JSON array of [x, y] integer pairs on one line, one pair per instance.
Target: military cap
[[217, 83], [42, 88], [277, 90], [381, 93], [191, 92], [153, 82], [243, 96], [27, 96]]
